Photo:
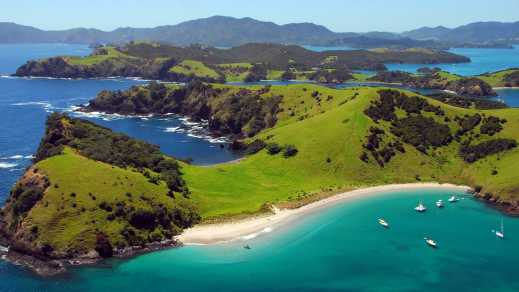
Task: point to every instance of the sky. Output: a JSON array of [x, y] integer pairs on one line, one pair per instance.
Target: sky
[[337, 15]]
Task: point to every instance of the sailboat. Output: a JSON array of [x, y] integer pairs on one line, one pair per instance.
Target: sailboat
[[383, 223], [453, 199], [420, 208], [501, 233]]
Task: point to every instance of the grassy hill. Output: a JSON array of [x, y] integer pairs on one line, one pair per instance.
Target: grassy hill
[[330, 129], [509, 77], [92, 189], [190, 67]]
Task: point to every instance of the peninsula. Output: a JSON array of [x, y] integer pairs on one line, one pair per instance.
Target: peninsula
[[302, 143]]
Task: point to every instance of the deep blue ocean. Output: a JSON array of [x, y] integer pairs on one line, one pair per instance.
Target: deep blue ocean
[[340, 249]]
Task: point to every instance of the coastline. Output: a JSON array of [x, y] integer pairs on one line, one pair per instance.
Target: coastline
[[205, 234]]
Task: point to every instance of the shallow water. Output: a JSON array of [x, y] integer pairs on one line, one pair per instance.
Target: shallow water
[[340, 248]]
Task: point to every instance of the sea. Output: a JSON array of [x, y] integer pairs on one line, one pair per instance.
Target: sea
[[341, 248]]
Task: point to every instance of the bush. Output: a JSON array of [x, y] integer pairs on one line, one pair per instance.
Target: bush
[[491, 126], [273, 148], [26, 199], [255, 147], [290, 150], [103, 246], [143, 219]]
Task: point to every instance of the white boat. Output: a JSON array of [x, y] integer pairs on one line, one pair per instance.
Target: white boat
[[420, 208], [430, 242], [383, 223], [453, 199], [439, 204], [501, 233]]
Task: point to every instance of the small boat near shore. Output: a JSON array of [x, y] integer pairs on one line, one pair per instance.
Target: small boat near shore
[[420, 208], [501, 233], [430, 242], [439, 204], [383, 223], [453, 199]]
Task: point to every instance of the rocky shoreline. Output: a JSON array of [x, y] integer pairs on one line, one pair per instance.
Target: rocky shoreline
[[52, 267], [509, 208]]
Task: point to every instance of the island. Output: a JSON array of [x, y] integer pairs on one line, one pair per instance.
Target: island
[[93, 194], [249, 62]]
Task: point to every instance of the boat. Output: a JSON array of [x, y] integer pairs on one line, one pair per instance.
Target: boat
[[247, 247], [439, 204], [430, 242], [420, 208], [453, 199], [383, 223], [501, 233]]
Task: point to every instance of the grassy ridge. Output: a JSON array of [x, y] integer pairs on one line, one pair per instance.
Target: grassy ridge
[[108, 53]]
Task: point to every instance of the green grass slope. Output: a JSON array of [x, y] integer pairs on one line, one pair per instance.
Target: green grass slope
[[329, 136], [194, 68], [497, 79]]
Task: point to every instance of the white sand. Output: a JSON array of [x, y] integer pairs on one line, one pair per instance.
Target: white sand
[[254, 226]]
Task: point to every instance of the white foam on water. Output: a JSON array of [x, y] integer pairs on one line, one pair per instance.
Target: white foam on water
[[254, 235], [17, 157], [6, 165]]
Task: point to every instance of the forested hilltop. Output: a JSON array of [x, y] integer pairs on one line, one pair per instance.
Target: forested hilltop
[[93, 193], [248, 62]]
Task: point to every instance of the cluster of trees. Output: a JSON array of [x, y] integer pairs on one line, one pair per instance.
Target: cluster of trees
[[99, 143], [384, 108], [467, 123], [467, 102], [491, 125], [422, 132], [272, 148], [472, 153], [415, 129], [332, 76], [257, 73], [382, 155]]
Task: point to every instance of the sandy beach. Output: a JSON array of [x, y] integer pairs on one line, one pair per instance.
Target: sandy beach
[[254, 226]]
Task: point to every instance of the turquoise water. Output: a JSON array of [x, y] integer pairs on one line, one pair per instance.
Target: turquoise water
[[338, 249], [482, 61]]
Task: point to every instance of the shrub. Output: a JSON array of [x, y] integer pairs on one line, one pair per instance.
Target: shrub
[[143, 219], [273, 148], [290, 150], [103, 246], [27, 199]]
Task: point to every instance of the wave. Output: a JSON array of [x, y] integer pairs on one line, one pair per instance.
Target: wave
[[254, 235], [17, 157], [47, 106], [5, 165]]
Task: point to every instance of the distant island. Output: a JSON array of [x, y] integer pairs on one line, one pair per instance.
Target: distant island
[[301, 143]]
